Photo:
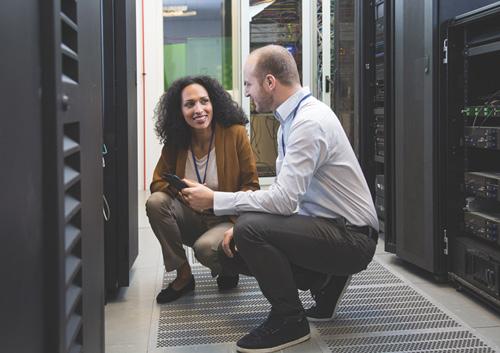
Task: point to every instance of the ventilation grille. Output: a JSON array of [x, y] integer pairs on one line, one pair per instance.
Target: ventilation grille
[[72, 238], [379, 313], [72, 188], [69, 41], [432, 342]]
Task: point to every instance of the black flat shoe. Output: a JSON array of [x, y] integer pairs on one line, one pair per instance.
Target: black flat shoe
[[169, 294], [227, 282], [328, 299]]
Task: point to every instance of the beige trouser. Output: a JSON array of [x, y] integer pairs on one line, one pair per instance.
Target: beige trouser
[[175, 224]]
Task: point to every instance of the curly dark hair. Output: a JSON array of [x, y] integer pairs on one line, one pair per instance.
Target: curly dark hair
[[170, 125]]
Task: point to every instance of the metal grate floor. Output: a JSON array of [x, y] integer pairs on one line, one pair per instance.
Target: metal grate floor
[[379, 313]]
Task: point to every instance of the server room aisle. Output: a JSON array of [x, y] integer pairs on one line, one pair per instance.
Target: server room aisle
[[132, 318]]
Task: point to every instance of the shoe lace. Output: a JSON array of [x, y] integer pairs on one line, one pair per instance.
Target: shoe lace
[[264, 331], [268, 327]]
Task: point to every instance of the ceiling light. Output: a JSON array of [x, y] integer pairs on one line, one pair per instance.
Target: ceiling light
[[177, 11]]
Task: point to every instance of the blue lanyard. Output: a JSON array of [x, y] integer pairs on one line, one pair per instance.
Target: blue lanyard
[[293, 117], [206, 164]]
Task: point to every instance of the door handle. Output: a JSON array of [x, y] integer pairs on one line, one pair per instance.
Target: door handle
[[426, 64]]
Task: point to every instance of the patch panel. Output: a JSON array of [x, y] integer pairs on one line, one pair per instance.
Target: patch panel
[[481, 111], [482, 137], [482, 185], [482, 225]]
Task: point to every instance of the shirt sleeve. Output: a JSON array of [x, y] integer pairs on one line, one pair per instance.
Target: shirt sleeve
[[306, 148]]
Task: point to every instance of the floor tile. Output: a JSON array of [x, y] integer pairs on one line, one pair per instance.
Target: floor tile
[[409, 272], [465, 307], [491, 333], [142, 287], [126, 348], [149, 250]]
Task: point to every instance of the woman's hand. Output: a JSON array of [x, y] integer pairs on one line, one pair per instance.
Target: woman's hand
[[198, 196], [226, 242]]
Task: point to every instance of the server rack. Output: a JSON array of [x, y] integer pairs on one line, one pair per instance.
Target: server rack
[[51, 221], [375, 100], [119, 143], [471, 56]]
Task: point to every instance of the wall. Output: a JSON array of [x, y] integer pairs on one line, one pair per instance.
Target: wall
[[149, 85]]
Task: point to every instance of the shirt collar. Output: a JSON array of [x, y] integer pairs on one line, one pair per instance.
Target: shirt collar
[[284, 111]]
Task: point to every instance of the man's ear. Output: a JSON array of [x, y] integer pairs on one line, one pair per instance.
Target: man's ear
[[270, 81]]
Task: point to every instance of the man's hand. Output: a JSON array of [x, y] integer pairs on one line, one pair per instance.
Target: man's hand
[[226, 242], [198, 196]]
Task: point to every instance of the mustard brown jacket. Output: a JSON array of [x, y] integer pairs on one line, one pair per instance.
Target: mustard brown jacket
[[236, 168]]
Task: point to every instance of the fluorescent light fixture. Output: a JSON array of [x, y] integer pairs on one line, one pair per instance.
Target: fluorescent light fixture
[[177, 8], [177, 11]]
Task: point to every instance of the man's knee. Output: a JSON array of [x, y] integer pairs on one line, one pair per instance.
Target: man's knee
[[248, 227]]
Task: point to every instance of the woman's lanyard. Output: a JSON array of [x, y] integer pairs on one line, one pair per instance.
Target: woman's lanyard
[[206, 164], [293, 117]]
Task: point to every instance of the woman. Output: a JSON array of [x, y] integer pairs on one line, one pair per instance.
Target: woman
[[204, 139]]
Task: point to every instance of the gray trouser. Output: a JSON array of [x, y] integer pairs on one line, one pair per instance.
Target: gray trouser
[[277, 250], [174, 225]]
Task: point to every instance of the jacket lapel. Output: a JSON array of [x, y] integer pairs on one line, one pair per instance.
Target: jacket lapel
[[180, 167]]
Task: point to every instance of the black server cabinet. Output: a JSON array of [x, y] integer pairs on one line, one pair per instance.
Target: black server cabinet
[[119, 143], [416, 119], [22, 260], [51, 220], [473, 159], [72, 133]]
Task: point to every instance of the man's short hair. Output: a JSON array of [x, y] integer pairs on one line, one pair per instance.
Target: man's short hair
[[277, 61]]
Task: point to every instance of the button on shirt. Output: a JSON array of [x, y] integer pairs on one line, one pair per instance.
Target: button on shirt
[[319, 175]]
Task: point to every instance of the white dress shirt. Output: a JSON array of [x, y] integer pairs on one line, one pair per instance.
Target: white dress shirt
[[319, 175]]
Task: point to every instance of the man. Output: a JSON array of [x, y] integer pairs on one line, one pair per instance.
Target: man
[[314, 227]]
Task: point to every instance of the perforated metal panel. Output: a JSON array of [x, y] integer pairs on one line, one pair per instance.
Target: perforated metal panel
[[455, 341], [379, 313]]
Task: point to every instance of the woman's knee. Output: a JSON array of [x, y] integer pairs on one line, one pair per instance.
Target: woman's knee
[[206, 252], [158, 203]]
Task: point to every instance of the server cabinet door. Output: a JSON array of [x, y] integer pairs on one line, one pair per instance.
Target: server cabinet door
[[414, 123], [21, 209], [72, 129]]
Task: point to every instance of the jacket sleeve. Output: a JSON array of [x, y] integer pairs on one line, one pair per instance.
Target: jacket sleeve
[[165, 165], [248, 178]]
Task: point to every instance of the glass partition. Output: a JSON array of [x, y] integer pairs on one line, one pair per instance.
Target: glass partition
[[342, 64], [275, 22], [197, 39]]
